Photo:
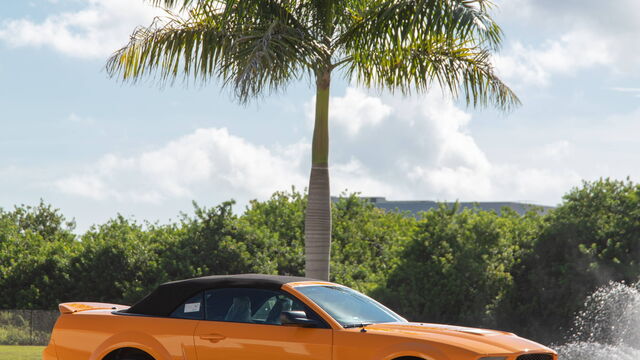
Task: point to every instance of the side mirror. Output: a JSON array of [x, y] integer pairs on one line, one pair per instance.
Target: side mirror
[[297, 318]]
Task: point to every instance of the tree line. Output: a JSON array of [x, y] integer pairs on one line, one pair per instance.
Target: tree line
[[528, 273]]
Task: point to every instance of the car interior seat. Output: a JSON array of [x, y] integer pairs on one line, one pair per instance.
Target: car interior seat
[[240, 310], [281, 305]]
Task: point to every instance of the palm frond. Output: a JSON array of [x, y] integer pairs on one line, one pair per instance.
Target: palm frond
[[266, 59], [250, 54], [168, 49], [400, 21], [409, 45], [457, 66], [257, 46], [171, 4]]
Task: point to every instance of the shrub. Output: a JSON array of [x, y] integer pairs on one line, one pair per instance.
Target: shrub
[[457, 267], [592, 238]]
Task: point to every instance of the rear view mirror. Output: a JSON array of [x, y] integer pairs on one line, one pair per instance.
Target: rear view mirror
[[296, 318]]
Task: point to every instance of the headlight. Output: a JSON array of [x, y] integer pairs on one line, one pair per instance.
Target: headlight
[[494, 358]]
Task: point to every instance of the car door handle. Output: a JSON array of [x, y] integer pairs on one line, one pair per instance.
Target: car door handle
[[212, 337]]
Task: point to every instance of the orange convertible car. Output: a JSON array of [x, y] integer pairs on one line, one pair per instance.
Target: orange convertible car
[[250, 317]]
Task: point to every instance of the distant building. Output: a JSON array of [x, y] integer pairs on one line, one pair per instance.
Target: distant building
[[416, 206]]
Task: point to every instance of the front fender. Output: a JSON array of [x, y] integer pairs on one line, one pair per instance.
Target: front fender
[[132, 339], [415, 349]]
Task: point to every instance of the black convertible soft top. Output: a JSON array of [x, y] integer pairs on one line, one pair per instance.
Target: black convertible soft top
[[168, 296]]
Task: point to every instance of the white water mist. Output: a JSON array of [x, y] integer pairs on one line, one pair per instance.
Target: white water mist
[[608, 327]]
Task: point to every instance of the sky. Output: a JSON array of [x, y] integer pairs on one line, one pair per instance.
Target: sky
[[94, 147]]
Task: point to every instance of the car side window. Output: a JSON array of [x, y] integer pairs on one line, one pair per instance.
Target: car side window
[[191, 309], [244, 305]]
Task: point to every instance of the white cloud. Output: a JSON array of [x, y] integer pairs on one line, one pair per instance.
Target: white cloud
[[573, 52], [206, 160], [356, 110], [354, 176], [421, 149], [580, 35], [81, 120], [542, 186], [453, 182], [633, 91], [555, 151], [86, 185], [95, 31], [617, 16]]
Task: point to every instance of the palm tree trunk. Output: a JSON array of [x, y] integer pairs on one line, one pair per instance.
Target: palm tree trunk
[[317, 228]]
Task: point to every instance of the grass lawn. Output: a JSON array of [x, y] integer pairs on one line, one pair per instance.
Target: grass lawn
[[21, 352]]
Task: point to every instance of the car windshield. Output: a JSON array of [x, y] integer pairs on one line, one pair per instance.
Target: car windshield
[[349, 307]]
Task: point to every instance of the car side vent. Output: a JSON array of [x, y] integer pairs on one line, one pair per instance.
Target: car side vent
[[535, 357]]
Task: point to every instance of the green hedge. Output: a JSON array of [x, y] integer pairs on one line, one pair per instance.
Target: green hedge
[[529, 274]]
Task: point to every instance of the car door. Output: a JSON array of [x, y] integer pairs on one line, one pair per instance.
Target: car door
[[244, 324]]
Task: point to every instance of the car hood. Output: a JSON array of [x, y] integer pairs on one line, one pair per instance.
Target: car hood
[[480, 341]]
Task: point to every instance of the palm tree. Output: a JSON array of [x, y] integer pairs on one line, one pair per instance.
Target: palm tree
[[260, 46]]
